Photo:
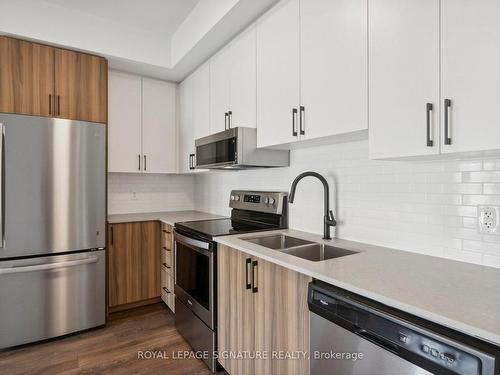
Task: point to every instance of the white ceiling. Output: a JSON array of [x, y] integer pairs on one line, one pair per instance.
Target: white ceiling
[[161, 17], [165, 39]]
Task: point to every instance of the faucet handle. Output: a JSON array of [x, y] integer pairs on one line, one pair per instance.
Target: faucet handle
[[331, 218]]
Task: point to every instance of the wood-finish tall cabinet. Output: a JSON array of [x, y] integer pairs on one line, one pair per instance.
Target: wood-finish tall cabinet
[[262, 307], [40, 80], [134, 263]]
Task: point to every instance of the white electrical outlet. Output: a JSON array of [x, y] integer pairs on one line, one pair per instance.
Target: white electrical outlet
[[133, 196], [489, 219]]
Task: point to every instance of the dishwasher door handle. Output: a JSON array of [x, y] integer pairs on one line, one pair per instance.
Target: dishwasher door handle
[[377, 340]]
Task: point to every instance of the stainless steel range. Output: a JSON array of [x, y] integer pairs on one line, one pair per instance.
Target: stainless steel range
[[196, 262]]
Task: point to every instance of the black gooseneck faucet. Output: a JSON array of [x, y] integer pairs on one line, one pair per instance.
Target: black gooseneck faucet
[[328, 219]]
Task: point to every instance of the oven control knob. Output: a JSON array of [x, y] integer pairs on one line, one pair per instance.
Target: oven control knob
[[270, 201], [232, 197], [236, 197], [266, 200]]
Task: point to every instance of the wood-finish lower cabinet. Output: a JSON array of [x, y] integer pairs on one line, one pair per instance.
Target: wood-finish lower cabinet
[[26, 77], [235, 309], [262, 308], [134, 263], [81, 86]]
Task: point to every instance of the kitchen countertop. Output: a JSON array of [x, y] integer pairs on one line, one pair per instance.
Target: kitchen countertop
[[458, 295], [169, 217]]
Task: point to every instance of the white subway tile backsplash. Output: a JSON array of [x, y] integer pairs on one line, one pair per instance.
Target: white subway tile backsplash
[[153, 193], [491, 188], [473, 200], [485, 176], [428, 207]]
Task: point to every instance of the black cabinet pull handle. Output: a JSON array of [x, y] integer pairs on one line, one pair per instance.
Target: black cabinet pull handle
[[58, 105], [139, 166], [302, 120], [447, 107], [191, 161], [50, 104], [166, 290], [166, 265], [112, 236], [254, 277], [145, 162], [247, 279], [230, 119], [226, 116], [428, 114], [166, 248], [294, 122]]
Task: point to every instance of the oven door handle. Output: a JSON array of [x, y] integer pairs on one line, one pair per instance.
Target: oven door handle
[[200, 246]]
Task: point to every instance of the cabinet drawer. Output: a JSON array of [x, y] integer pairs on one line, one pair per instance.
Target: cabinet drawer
[[166, 265], [166, 237], [167, 289]]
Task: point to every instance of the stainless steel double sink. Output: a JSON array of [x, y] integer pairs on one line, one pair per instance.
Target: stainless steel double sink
[[299, 247]]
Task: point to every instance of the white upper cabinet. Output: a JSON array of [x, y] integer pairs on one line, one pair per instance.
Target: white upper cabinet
[[312, 59], [194, 121], [142, 131], [333, 66], [186, 127], [243, 80], [220, 67], [201, 101], [158, 127], [278, 74], [470, 74], [404, 78], [124, 123], [233, 84]]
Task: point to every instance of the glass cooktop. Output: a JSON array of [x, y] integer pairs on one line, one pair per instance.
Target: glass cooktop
[[220, 227]]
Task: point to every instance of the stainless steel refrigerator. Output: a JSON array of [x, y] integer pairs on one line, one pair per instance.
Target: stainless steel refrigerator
[[52, 227]]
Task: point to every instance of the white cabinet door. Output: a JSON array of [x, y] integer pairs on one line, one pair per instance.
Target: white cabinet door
[[220, 67], [403, 77], [201, 101], [186, 127], [334, 63], [278, 73], [124, 123], [470, 74], [243, 80], [158, 126]]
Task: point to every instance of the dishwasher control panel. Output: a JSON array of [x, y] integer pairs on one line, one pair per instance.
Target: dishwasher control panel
[[407, 339]]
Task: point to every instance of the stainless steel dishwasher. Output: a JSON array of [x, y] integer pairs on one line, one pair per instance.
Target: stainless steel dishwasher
[[351, 335]]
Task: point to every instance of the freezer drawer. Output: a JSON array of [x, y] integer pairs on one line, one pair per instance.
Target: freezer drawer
[[51, 296]]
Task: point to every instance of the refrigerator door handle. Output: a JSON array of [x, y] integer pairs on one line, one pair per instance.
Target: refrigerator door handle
[[2, 186], [48, 266]]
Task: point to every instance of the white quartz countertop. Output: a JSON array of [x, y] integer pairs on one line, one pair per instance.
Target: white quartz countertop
[[458, 295], [170, 218]]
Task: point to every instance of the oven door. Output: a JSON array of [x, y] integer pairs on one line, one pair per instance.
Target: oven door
[[195, 276], [217, 150]]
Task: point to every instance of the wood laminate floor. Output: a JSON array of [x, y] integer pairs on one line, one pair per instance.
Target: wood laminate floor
[[109, 350]]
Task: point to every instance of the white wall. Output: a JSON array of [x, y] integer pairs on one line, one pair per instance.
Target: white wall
[[62, 26], [154, 193], [426, 207]]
